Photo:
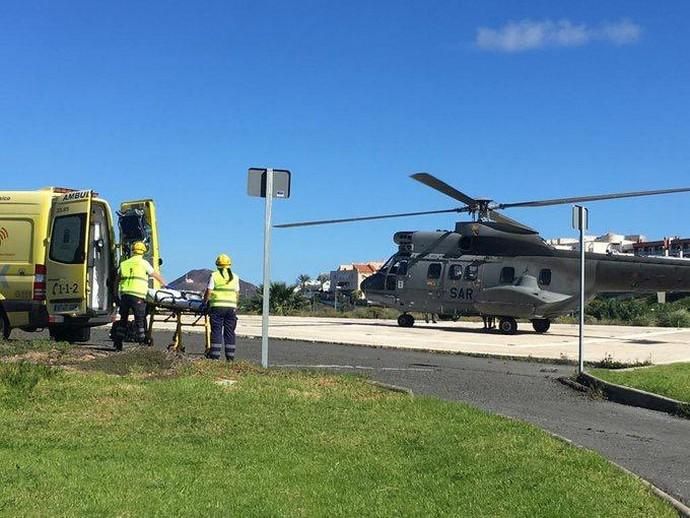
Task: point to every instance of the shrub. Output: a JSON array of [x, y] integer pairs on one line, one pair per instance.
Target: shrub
[[674, 318]]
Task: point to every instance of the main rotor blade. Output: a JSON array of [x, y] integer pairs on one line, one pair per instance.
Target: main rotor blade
[[364, 218], [596, 197], [441, 186], [502, 218]]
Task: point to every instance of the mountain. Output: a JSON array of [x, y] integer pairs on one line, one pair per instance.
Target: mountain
[[196, 280]]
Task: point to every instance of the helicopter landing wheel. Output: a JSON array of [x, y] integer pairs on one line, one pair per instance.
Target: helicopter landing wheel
[[405, 320], [541, 325], [507, 325]]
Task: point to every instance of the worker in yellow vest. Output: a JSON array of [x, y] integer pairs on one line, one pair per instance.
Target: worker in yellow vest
[[222, 296], [133, 282]]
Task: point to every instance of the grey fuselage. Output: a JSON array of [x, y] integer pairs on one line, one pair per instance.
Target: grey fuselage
[[487, 268]]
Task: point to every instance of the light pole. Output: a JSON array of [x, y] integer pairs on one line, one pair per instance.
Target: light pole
[[580, 221]]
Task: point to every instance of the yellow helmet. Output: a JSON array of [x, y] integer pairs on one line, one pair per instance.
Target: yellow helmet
[[139, 248], [223, 261]]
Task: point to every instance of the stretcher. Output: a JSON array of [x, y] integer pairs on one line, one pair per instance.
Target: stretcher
[[167, 305]]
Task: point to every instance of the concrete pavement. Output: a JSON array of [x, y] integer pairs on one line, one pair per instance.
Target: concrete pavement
[[622, 343]]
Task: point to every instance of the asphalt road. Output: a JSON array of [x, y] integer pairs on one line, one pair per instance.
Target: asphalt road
[[652, 444]]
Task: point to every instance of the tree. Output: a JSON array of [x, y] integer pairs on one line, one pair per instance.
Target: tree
[[323, 277], [302, 280], [282, 299]]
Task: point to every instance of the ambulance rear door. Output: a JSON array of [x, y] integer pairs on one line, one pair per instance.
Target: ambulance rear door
[[137, 222], [66, 264]]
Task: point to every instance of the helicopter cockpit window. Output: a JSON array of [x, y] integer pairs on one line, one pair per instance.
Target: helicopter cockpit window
[[455, 272], [545, 277], [507, 275], [434, 271], [471, 272], [390, 283], [398, 268]]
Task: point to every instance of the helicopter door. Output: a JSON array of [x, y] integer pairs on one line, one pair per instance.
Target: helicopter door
[[460, 285], [425, 286]]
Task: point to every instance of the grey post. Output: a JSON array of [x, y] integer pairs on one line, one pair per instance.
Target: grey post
[[267, 268], [580, 216]]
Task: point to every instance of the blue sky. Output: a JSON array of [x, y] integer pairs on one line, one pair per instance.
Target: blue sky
[[175, 100]]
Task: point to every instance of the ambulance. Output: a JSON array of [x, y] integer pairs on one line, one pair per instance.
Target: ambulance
[[59, 255]]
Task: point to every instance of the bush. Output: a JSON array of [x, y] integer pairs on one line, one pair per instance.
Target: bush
[[674, 318]]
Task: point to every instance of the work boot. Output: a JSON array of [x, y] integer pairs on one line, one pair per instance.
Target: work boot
[[118, 345]]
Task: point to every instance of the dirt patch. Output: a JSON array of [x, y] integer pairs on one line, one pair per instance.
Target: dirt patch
[[141, 361]]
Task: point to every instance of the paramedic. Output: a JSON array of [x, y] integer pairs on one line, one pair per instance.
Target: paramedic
[[133, 276], [222, 295]]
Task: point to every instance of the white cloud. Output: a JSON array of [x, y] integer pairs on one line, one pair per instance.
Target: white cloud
[[529, 35]]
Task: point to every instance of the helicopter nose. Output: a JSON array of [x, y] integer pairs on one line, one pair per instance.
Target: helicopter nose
[[373, 283]]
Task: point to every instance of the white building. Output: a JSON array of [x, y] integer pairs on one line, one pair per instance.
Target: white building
[[608, 243], [348, 277]]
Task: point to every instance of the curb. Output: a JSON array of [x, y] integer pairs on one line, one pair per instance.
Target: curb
[[392, 388], [636, 397]]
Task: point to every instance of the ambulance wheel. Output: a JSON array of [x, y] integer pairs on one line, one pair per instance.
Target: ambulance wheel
[[69, 334], [541, 325], [5, 328], [507, 325], [405, 320]]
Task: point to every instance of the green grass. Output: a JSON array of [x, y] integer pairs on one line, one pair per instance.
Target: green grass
[[142, 434], [668, 380]]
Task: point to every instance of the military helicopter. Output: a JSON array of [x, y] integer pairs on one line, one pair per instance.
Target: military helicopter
[[496, 266]]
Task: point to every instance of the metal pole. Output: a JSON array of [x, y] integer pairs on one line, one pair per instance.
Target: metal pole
[[267, 268], [581, 221]]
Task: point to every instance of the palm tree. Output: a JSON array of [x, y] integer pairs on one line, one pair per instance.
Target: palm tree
[[302, 280], [282, 299]]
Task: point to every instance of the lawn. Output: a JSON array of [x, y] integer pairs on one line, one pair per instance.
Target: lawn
[[141, 433], [667, 380]]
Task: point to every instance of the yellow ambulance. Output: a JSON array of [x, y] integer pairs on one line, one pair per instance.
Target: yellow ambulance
[[59, 255]]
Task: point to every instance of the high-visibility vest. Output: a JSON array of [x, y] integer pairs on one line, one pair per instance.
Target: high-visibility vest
[[134, 280], [225, 292]]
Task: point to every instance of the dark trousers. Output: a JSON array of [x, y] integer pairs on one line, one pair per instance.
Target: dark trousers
[[223, 324], [131, 304]]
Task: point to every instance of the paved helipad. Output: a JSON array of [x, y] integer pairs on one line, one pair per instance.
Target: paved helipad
[[622, 343]]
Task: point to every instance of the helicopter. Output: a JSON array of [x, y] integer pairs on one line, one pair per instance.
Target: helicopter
[[495, 266]]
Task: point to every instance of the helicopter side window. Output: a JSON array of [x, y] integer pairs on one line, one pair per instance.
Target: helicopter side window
[[471, 272], [507, 275], [545, 277], [455, 272], [434, 271]]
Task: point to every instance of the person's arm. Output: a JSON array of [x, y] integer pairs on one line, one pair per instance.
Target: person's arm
[[159, 278], [209, 288], [154, 274]]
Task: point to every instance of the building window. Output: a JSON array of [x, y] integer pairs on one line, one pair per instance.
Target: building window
[[471, 272], [545, 277], [455, 272], [434, 271], [507, 275]]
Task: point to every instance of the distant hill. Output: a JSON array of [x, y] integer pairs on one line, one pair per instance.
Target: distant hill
[[196, 280]]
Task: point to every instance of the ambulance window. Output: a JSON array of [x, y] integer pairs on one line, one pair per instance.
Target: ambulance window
[[434, 271], [507, 275], [67, 239], [455, 272], [545, 277], [471, 272]]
